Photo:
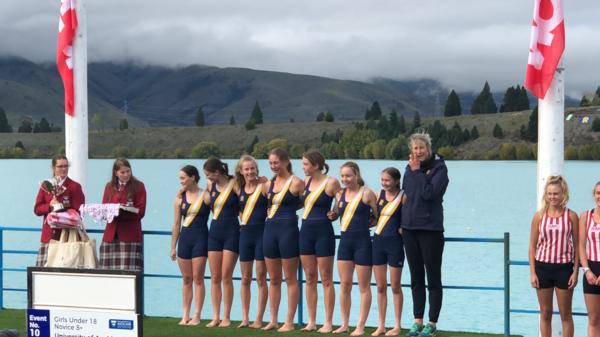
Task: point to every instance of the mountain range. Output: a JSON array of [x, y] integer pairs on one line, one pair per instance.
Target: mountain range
[[150, 95]]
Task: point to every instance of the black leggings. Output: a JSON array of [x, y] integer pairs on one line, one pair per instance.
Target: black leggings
[[424, 252]]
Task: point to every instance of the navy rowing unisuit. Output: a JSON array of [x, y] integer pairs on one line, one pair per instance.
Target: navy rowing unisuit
[[193, 237], [316, 235], [280, 237], [355, 241], [251, 232], [224, 230]]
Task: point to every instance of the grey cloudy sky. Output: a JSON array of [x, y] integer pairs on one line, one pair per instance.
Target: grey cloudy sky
[[462, 42]]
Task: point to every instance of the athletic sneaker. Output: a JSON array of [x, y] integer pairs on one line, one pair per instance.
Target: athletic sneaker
[[415, 330], [428, 331]]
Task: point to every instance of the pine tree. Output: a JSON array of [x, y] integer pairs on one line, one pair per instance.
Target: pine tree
[[498, 132], [401, 127], [256, 115], [532, 126], [511, 100], [484, 103], [452, 107], [374, 112], [4, 126], [329, 117], [474, 133], [123, 124], [416, 120], [394, 122], [321, 117], [200, 117], [44, 125], [523, 99], [232, 120], [584, 101]]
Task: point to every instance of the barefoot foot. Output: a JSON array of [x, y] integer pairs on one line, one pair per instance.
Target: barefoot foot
[[327, 328], [244, 324], [342, 329], [270, 326], [393, 332], [378, 332], [286, 327], [358, 332], [184, 321], [225, 323], [256, 325], [310, 327], [194, 321], [213, 323]]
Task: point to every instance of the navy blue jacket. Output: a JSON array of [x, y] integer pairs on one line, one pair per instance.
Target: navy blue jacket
[[425, 190]]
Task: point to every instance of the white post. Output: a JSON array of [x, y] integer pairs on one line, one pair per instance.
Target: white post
[[551, 145], [76, 127]]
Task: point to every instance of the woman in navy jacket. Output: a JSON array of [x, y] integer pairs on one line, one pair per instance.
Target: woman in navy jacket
[[425, 182]]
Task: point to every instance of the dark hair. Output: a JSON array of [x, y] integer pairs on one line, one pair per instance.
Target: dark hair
[[394, 173], [191, 171], [58, 157], [354, 167], [316, 158], [214, 164], [132, 185], [283, 156]]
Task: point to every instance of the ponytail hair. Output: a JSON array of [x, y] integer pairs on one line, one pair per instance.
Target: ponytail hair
[[354, 167], [316, 158], [394, 173], [282, 155], [239, 176], [191, 171], [214, 164], [559, 181]]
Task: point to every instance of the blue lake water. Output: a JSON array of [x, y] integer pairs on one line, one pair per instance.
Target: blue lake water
[[484, 199]]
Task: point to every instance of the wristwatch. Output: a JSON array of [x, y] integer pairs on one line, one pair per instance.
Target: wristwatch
[[585, 269]]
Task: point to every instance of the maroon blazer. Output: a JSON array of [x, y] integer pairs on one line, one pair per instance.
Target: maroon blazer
[[127, 226], [71, 198]]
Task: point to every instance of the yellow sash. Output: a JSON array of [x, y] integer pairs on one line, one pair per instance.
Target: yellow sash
[[312, 197], [250, 204], [350, 209], [387, 212], [193, 210], [220, 201], [278, 198]]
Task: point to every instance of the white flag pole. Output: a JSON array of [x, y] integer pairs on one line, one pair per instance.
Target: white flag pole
[[76, 127], [551, 145]]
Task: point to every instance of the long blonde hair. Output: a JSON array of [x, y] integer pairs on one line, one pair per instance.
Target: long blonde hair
[[559, 181], [239, 177]]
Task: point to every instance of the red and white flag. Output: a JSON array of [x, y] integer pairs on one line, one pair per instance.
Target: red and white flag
[[546, 47], [67, 25]]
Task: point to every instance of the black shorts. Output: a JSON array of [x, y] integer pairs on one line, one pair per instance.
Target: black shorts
[[317, 238], [553, 275], [588, 288], [251, 242], [388, 250], [193, 242]]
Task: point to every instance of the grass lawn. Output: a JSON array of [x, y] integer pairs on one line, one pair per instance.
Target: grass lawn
[[167, 327]]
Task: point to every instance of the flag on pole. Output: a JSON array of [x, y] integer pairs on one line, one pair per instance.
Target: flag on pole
[[67, 24], [546, 47]]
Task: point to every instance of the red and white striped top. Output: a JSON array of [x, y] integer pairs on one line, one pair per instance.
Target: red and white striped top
[[555, 241], [593, 237]]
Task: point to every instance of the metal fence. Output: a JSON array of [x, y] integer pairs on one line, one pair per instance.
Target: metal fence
[[505, 288]]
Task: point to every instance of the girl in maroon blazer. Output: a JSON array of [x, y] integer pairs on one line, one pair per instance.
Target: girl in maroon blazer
[[67, 193], [121, 246]]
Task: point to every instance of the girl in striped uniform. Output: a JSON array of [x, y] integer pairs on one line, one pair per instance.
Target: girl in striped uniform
[[253, 212], [280, 239], [553, 257], [223, 237], [388, 248], [189, 241], [317, 240], [357, 206], [589, 250]]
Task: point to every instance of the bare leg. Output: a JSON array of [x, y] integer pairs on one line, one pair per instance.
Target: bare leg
[[290, 269], [246, 269], [215, 259], [185, 266], [545, 301], [274, 270], [346, 270], [229, 261], [564, 297], [395, 278], [592, 303], [309, 264], [380, 272], [261, 280], [364, 284], [198, 267], [326, 270]]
